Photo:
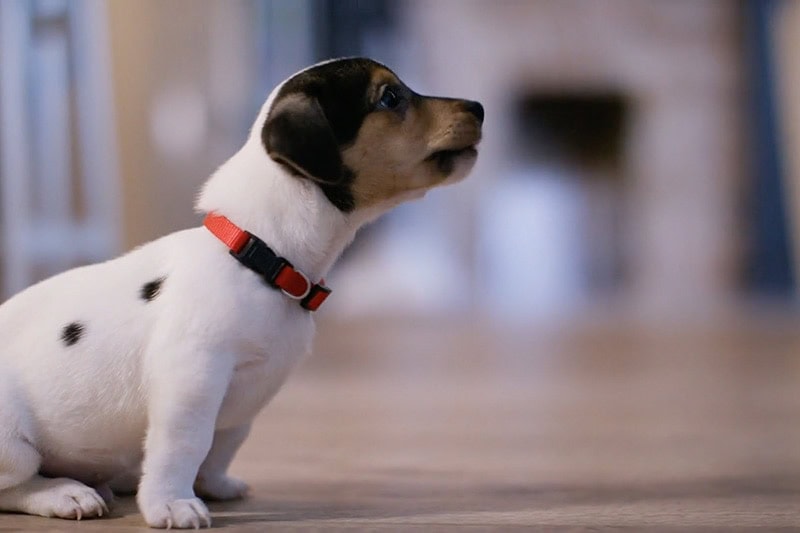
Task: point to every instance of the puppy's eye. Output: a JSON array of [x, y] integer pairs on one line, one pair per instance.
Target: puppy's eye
[[389, 99]]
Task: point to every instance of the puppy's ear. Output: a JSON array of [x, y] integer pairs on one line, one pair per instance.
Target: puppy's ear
[[298, 134]]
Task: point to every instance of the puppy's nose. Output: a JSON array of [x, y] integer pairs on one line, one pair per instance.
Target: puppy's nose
[[475, 108]]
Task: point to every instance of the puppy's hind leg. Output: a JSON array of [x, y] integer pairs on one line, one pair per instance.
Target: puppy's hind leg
[[61, 497], [19, 460], [21, 488]]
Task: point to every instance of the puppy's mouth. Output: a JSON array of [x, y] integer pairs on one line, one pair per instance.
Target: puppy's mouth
[[445, 159]]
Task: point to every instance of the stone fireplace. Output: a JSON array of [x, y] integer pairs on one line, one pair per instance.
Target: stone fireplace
[[636, 105]]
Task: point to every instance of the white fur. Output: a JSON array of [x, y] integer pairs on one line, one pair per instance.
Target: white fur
[[185, 373]]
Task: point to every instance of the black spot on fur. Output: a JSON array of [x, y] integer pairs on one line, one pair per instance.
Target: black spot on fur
[[151, 289], [337, 102], [72, 333]]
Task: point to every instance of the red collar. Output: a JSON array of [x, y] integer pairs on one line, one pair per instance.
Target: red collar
[[279, 273]]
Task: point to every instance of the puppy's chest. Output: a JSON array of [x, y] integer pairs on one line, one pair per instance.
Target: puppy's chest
[[263, 363]]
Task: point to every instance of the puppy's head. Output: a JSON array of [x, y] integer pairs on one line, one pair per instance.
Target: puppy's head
[[354, 128]]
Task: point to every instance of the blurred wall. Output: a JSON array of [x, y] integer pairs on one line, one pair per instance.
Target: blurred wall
[[184, 81], [664, 223]]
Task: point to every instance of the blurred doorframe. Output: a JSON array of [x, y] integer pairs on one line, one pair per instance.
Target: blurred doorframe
[[59, 185], [770, 270]]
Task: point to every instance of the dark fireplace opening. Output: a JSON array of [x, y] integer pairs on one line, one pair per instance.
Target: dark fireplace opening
[[583, 135]]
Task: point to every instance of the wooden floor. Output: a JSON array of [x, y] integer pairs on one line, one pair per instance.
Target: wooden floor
[[432, 427]]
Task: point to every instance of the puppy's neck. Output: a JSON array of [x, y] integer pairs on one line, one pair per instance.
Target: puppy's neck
[[291, 214]]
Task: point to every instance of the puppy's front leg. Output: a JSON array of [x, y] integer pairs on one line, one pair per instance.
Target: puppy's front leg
[[212, 481], [185, 397]]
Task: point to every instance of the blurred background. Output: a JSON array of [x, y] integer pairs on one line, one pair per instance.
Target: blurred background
[[610, 299], [640, 158]]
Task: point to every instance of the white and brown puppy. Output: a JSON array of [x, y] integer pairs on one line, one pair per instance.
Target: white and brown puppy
[[148, 369]]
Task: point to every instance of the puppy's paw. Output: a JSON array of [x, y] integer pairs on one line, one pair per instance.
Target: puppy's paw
[[178, 514], [67, 498], [221, 488]]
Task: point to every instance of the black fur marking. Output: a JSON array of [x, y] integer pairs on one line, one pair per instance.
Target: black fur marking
[[341, 194], [72, 333], [298, 135], [339, 89], [151, 289]]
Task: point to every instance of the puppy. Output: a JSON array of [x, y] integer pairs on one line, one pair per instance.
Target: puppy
[[146, 371]]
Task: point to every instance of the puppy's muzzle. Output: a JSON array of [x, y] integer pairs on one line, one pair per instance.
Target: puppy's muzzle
[[459, 133]]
